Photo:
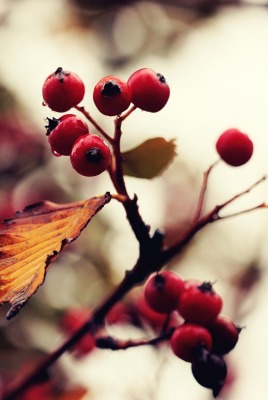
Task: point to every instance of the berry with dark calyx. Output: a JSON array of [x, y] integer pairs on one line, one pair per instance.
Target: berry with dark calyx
[[63, 90], [90, 155], [234, 147], [112, 95], [150, 91], [199, 304], [63, 132], [210, 371], [224, 333], [162, 291], [188, 340]]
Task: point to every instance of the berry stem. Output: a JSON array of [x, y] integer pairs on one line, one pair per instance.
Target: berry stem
[[94, 123], [118, 175], [140, 229], [127, 113]]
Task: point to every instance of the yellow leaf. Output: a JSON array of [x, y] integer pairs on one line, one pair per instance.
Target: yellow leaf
[[32, 240]]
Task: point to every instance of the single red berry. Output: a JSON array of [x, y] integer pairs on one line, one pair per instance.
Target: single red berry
[[63, 90], [150, 91], [63, 132], [224, 333], [162, 291], [112, 95], [199, 304], [234, 147], [188, 340], [90, 155]]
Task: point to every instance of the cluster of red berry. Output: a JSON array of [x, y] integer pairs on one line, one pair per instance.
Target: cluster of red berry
[[205, 335], [90, 155], [69, 135]]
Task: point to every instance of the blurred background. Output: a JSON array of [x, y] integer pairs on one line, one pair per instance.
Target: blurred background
[[214, 55]]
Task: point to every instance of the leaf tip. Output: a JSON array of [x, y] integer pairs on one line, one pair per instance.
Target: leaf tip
[[14, 309]]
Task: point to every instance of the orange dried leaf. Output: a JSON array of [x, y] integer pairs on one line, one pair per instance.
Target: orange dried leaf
[[32, 240]]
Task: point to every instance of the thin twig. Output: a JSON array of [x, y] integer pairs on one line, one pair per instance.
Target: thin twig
[[202, 193], [209, 218], [127, 113], [237, 196], [94, 123], [111, 343], [262, 205]]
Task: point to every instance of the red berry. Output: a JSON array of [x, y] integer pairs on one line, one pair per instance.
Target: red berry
[[112, 95], [63, 132], [199, 304], [188, 340], [234, 147], [150, 91], [90, 155], [63, 90], [224, 334], [162, 291]]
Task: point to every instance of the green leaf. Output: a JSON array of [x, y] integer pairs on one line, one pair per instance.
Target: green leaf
[[150, 158]]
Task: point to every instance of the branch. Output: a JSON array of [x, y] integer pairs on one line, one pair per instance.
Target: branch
[[115, 170], [111, 343], [152, 258], [132, 278], [138, 226]]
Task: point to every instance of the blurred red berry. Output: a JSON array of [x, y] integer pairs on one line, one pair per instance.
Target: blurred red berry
[[188, 339], [234, 147], [162, 291], [199, 304], [224, 333]]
